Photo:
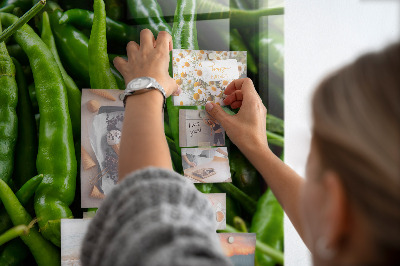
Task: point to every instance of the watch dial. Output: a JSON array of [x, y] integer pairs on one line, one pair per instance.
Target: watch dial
[[140, 83]]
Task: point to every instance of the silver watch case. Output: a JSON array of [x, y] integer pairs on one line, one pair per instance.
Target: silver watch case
[[140, 85]]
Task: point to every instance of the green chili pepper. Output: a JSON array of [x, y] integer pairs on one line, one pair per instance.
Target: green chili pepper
[[8, 117], [243, 4], [24, 194], [270, 45], [240, 224], [27, 143], [115, 9], [74, 94], [267, 223], [56, 155], [99, 66], [14, 50], [72, 45], [209, 10], [148, 12], [237, 44], [14, 253], [244, 175], [184, 31], [43, 251], [116, 30]]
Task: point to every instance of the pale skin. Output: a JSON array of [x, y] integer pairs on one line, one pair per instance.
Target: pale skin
[[317, 206]]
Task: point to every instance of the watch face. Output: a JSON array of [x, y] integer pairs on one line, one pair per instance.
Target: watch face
[[140, 83]]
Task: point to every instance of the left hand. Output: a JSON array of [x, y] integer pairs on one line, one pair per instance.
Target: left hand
[[150, 59]]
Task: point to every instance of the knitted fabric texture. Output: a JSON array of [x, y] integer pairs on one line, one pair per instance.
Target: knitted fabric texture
[[153, 217]]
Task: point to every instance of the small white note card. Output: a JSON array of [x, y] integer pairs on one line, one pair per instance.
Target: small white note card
[[216, 70]]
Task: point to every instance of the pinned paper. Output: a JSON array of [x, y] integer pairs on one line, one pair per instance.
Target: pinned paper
[[203, 75]]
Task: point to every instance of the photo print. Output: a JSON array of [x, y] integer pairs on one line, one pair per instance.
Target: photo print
[[102, 115], [218, 201], [72, 233], [239, 247], [204, 74], [198, 129], [206, 165]]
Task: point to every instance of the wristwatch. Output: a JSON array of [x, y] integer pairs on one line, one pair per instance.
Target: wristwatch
[[141, 85]]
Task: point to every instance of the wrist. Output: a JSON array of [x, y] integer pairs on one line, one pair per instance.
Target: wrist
[[148, 99]]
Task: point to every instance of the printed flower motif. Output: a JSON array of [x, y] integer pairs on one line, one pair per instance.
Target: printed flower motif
[[199, 73], [196, 84], [179, 81], [225, 82]]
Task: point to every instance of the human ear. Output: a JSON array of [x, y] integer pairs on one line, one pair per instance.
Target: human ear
[[337, 217]]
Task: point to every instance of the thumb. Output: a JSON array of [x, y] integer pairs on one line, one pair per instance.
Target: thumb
[[218, 113]]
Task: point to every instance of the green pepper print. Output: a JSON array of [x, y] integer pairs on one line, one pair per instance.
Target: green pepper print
[[116, 31], [24, 194], [244, 176], [27, 143], [56, 155], [8, 117], [148, 12], [267, 223], [74, 94], [14, 253], [43, 251], [99, 66]]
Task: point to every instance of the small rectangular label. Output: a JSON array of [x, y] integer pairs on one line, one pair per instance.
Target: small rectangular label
[[216, 70]]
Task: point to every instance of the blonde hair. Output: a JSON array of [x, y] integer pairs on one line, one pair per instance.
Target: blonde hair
[[356, 114]]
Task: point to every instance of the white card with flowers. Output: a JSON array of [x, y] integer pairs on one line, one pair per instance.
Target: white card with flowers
[[204, 74]]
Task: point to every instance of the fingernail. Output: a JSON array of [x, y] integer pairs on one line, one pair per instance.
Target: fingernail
[[179, 90], [209, 106]]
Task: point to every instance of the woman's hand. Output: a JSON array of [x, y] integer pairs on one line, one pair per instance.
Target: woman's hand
[[247, 128], [150, 59]]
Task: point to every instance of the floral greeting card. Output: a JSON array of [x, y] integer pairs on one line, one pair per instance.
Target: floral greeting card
[[203, 74]]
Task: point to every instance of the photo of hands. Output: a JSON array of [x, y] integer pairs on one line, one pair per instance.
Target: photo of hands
[[206, 165], [197, 128]]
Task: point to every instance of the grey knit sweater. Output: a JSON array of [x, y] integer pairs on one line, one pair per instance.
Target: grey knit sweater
[[153, 217]]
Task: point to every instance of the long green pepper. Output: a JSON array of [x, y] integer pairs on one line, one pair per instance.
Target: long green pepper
[[116, 31], [27, 143], [43, 251], [8, 117], [73, 92], [24, 194], [56, 155], [99, 66]]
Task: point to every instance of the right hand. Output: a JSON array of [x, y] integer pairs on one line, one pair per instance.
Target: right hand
[[247, 129]]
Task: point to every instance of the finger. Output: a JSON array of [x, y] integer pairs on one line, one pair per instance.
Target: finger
[[218, 113], [235, 96], [120, 64], [164, 41], [131, 48], [147, 40], [177, 92], [236, 105], [245, 85]]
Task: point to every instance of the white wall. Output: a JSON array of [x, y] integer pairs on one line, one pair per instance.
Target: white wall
[[320, 36]]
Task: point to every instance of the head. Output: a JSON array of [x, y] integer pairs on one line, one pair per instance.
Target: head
[[351, 197]]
